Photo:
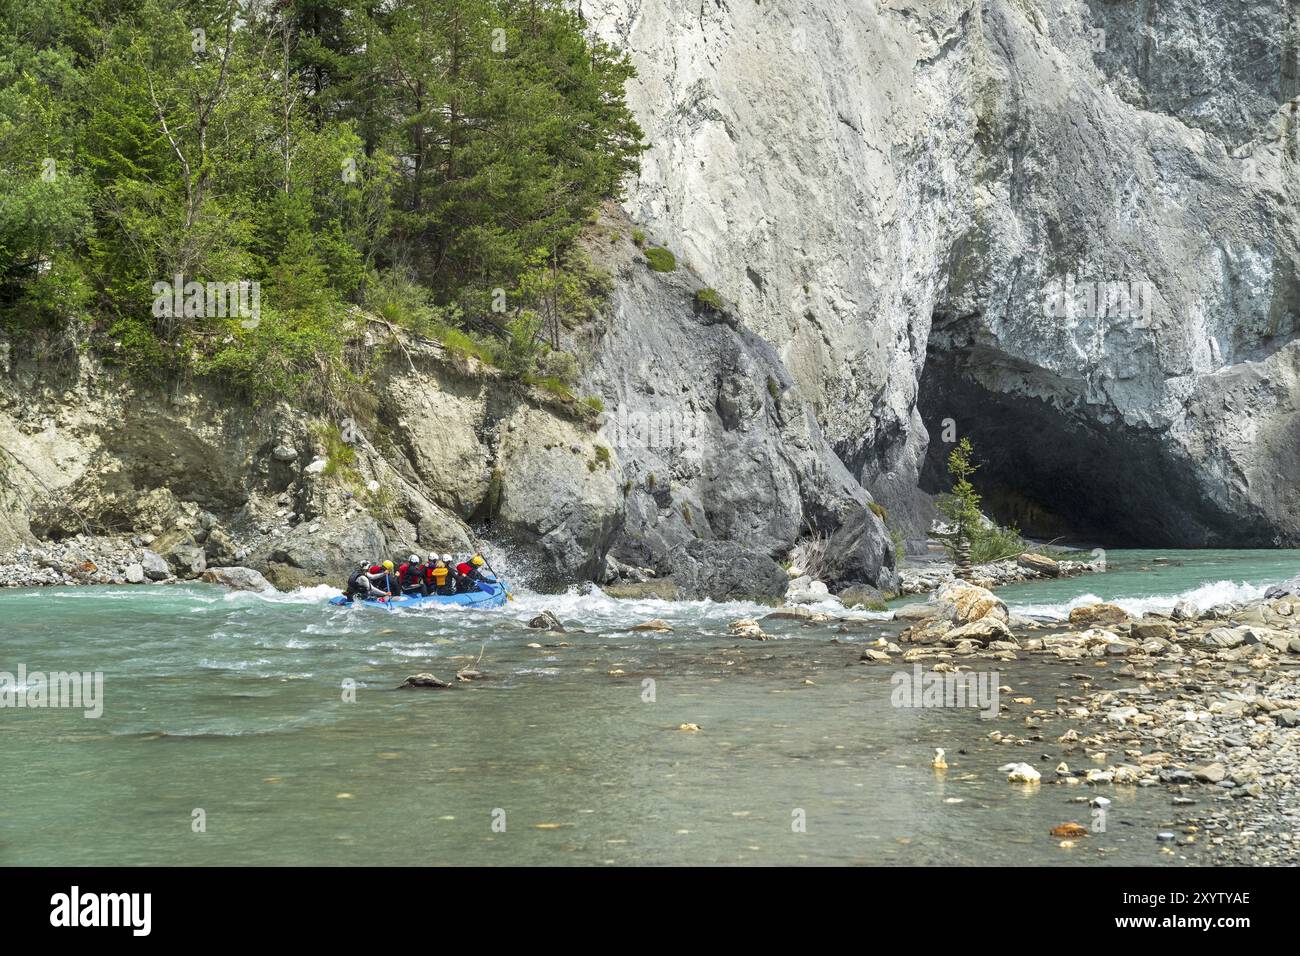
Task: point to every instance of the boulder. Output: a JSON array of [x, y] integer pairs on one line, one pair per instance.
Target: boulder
[[1039, 564], [547, 621], [1285, 589], [237, 579], [1146, 630], [186, 560], [1094, 615], [862, 595], [134, 574], [155, 567], [983, 630], [331, 553], [724, 570], [422, 682], [860, 551], [805, 590], [918, 611], [962, 603]]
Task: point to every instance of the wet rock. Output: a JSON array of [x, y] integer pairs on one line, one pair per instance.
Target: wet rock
[[1285, 589], [422, 682], [1020, 773], [237, 579], [546, 621], [134, 574], [794, 613], [654, 624], [1069, 831]]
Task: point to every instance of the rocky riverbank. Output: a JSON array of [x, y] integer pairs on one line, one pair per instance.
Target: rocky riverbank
[[1202, 702], [924, 578]]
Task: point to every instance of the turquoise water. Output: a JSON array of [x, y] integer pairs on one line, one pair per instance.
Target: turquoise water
[[234, 705], [1142, 580]]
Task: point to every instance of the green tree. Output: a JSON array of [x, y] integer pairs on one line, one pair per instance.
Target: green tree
[[961, 506]]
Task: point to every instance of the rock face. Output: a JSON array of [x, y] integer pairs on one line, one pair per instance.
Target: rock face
[[715, 441], [918, 200]]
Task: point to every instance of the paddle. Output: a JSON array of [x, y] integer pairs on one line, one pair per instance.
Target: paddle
[[509, 596]]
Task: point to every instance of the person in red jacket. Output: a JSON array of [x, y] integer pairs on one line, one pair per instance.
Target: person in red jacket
[[465, 582], [411, 576]]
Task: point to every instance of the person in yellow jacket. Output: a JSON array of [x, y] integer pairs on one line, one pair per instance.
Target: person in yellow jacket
[[439, 576]]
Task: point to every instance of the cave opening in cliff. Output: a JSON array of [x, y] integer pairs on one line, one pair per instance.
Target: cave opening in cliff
[[1055, 468]]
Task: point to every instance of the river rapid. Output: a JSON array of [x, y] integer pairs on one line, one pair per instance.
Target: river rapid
[[239, 728]]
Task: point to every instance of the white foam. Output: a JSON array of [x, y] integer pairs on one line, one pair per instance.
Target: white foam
[[1210, 594], [316, 594], [592, 607]]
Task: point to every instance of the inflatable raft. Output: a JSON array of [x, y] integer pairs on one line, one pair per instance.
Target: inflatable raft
[[492, 594]]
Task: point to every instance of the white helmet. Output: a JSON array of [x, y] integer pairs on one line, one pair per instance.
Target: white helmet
[[433, 558], [413, 559], [447, 558]]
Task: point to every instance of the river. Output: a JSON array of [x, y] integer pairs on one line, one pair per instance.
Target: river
[[229, 736]]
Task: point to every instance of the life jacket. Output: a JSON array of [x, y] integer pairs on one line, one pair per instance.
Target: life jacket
[[355, 580], [438, 576], [376, 568], [410, 574], [463, 569]]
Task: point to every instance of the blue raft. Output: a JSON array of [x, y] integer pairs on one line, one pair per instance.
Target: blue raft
[[492, 594]]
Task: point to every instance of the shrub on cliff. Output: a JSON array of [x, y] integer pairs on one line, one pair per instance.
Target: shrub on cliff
[[660, 259]]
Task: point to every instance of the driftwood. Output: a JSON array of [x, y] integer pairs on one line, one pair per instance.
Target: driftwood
[[467, 674]]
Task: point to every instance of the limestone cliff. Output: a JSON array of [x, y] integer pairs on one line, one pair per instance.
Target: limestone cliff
[[896, 192]]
